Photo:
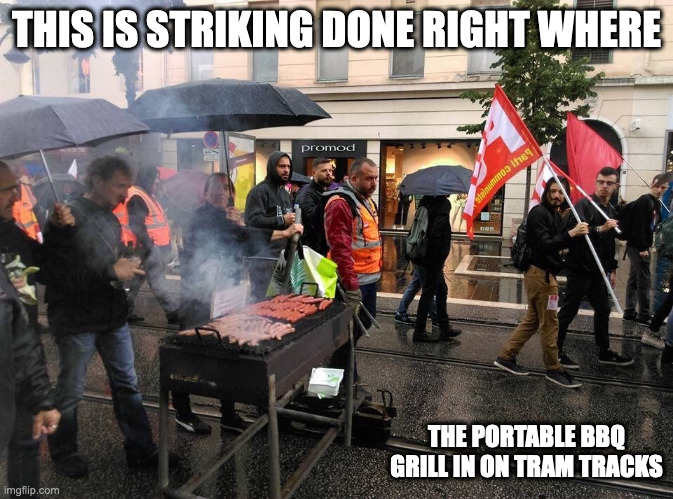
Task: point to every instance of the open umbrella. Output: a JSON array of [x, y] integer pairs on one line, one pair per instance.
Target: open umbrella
[[29, 124], [440, 180], [224, 105], [67, 187], [184, 190]]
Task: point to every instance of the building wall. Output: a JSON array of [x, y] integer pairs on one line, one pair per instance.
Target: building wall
[[374, 107]]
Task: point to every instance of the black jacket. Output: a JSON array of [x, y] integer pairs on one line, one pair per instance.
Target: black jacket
[[23, 368], [83, 293], [312, 204], [213, 259], [15, 242], [579, 258], [267, 202], [546, 237], [439, 232], [643, 217]]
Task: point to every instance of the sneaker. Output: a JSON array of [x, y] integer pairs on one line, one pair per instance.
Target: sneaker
[[644, 321], [630, 316], [172, 317], [71, 466], [667, 355], [614, 359], [425, 337], [567, 362], [403, 318], [652, 340], [133, 318], [510, 366], [562, 378], [233, 423], [193, 424], [151, 461]]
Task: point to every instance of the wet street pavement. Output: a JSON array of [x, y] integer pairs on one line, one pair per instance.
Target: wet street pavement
[[448, 382]]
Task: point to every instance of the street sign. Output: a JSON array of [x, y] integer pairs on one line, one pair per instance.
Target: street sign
[[211, 140], [211, 154]]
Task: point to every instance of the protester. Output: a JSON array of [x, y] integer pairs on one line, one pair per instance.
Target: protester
[[402, 312], [546, 238], [145, 229], [352, 231], [16, 237], [87, 310], [215, 243], [269, 206], [640, 219], [312, 204], [27, 410], [429, 269], [584, 276]]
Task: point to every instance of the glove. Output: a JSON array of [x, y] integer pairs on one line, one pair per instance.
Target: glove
[[354, 299]]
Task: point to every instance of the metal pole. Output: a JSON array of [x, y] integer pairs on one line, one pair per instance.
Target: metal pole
[[274, 445], [224, 162], [591, 246], [163, 438], [350, 379], [51, 180]]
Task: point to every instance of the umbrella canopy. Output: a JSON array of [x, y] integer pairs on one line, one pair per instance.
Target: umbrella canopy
[[224, 105], [298, 178], [440, 180], [184, 190], [166, 173], [67, 187], [30, 124]]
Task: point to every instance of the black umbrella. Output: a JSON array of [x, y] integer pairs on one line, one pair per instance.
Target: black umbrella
[[224, 105], [440, 180], [29, 124], [67, 187]]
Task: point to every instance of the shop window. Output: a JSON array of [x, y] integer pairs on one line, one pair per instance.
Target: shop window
[[332, 64], [595, 56], [80, 75], [201, 65], [265, 65], [409, 62]]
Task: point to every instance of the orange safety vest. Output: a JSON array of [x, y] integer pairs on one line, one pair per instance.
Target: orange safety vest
[[155, 221], [24, 215], [366, 239]]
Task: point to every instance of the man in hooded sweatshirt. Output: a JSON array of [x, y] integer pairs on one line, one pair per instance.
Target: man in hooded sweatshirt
[[269, 206]]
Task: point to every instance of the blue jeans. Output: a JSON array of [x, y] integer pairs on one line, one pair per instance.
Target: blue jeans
[[662, 274], [116, 351], [416, 284]]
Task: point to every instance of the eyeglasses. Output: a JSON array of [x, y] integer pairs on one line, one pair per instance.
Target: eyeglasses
[[11, 188], [609, 183]]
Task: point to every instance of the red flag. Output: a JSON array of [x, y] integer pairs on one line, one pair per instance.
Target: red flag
[[506, 148], [587, 152]]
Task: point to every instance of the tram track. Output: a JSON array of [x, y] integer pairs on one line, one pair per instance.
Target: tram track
[[475, 364], [402, 445]]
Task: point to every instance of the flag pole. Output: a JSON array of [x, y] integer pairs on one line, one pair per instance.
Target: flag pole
[[588, 240], [645, 182], [581, 191]]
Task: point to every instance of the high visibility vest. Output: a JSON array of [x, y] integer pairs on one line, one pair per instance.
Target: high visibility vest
[[155, 221], [365, 238], [24, 215]]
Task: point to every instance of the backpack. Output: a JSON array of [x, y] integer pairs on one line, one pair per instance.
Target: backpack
[[663, 238], [521, 252], [626, 222], [417, 240]]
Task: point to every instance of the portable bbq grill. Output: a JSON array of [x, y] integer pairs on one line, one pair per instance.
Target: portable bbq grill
[[266, 375]]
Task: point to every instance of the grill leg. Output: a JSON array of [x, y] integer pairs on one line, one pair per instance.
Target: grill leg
[[274, 445], [163, 438], [350, 373]]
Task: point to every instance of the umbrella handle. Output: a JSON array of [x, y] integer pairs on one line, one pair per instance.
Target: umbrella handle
[[51, 181]]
